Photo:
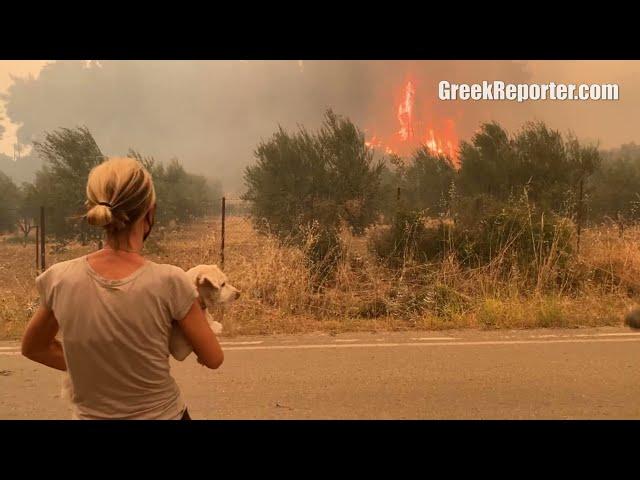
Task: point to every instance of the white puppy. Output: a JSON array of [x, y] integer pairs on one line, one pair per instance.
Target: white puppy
[[213, 291]]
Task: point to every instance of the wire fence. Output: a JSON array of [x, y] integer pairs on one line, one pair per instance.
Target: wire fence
[[31, 230], [232, 238]]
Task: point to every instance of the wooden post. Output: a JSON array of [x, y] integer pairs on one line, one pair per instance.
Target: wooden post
[[222, 232], [42, 243]]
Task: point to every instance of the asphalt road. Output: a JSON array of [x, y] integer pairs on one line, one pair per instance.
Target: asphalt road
[[536, 374]]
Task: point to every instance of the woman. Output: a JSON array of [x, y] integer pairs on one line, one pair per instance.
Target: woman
[[115, 309]]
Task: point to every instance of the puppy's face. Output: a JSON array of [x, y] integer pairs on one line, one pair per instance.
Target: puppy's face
[[213, 287]]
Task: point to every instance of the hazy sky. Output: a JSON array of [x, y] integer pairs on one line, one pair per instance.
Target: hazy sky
[[212, 114], [18, 68]]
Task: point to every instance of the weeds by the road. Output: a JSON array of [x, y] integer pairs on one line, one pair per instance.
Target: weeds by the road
[[595, 288]]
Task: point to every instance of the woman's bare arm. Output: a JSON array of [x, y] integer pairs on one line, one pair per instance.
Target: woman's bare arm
[[39, 341], [204, 342]]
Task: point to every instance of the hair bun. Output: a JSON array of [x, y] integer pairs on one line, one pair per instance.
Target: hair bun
[[100, 215], [119, 192]]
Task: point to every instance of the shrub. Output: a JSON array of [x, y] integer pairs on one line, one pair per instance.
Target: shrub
[[515, 238]]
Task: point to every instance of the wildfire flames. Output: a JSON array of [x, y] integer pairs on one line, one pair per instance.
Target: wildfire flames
[[405, 113], [440, 138]]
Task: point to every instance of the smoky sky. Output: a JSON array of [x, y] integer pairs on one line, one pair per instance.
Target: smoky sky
[[212, 114]]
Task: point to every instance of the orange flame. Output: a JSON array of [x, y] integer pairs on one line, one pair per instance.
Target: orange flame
[[439, 141], [405, 113]]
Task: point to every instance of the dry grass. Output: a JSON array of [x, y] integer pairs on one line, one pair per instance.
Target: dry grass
[[600, 285]]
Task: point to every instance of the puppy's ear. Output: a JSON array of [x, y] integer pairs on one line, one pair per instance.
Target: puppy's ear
[[208, 289], [208, 281]]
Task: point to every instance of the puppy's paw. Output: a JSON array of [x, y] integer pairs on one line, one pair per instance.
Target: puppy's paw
[[66, 391], [216, 327]]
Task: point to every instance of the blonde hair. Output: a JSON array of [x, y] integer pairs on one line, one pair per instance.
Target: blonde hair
[[119, 192]]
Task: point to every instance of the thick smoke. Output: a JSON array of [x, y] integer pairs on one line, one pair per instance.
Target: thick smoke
[[212, 114]]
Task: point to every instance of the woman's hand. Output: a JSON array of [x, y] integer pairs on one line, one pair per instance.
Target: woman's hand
[[39, 341]]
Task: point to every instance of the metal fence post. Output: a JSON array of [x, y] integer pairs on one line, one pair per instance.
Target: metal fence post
[[580, 214], [42, 258], [37, 247], [220, 313], [222, 233]]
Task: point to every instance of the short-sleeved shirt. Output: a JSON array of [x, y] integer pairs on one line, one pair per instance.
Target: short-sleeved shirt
[[115, 336]]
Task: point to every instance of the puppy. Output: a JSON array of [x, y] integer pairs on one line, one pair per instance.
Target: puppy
[[213, 291]]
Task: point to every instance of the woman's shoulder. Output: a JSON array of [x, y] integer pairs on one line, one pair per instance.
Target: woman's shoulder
[[167, 270], [62, 268], [174, 278], [57, 274], [165, 267]]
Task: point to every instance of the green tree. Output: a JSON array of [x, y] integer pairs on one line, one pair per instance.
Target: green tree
[[543, 165], [390, 181], [487, 163], [9, 203], [181, 196], [304, 182], [68, 156], [615, 186], [354, 175], [551, 167], [427, 180], [330, 177], [28, 209], [60, 186]]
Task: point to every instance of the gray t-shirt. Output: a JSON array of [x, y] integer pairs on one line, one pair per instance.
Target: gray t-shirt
[[115, 335]]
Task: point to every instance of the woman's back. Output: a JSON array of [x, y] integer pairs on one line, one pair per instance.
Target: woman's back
[[115, 335], [115, 309]]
